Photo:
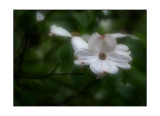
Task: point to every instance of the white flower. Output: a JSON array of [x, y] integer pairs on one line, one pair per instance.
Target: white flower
[[59, 31], [102, 53], [39, 16]]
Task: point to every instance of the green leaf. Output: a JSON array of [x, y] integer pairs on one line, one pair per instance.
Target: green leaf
[[83, 18], [65, 56], [125, 91]]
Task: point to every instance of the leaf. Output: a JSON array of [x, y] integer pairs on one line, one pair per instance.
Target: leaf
[[125, 91], [83, 18], [65, 56]]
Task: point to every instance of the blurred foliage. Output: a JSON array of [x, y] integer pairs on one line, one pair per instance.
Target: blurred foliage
[[44, 70]]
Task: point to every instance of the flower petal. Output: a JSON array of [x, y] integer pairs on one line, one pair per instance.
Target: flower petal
[[59, 31], [84, 57], [119, 57], [100, 44], [103, 66], [83, 53], [120, 35], [79, 43], [123, 48], [122, 65], [109, 44], [94, 43]]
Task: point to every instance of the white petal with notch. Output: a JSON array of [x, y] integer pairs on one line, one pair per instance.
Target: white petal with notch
[[84, 57], [102, 67], [59, 31], [123, 48], [124, 65], [119, 57]]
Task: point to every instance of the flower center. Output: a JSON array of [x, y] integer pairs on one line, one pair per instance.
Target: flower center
[[102, 56]]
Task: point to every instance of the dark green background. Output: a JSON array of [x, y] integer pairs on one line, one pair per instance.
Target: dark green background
[[44, 70]]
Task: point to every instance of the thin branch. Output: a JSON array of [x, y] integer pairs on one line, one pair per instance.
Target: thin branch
[[55, 68], [46, 76]]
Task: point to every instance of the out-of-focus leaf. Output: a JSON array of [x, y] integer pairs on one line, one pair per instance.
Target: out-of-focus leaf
[[126, 91], [65, 56], [84, 19]]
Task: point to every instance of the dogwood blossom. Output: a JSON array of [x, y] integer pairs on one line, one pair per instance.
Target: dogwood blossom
[[59, 31], [102, 53]]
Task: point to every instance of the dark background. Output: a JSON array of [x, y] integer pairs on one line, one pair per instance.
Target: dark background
[[44, 70]]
